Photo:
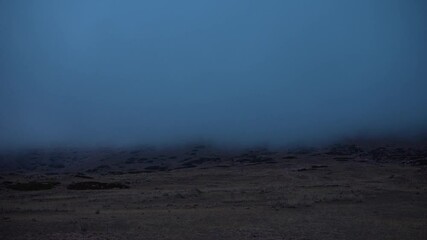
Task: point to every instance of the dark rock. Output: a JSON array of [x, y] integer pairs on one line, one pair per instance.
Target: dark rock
[[313, 167], [420, 162], [96, 186], [156, 168], [345, 150], [342, 159], [81, 175], [99, 168], [318, 166], [130, 160], [32, 186]]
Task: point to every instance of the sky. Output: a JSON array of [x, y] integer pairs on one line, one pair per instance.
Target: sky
[[110, 72]]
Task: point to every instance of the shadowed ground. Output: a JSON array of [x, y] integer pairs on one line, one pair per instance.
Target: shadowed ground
[[341, 192]]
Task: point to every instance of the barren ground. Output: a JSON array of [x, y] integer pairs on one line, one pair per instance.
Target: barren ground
[[343, 192]]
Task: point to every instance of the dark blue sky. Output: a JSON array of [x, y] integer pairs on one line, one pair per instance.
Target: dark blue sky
[[97, 72]]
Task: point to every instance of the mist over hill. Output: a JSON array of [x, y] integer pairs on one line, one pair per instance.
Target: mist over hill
[[114, 73]]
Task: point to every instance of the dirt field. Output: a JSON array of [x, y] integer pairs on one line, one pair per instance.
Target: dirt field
[[341, 192]]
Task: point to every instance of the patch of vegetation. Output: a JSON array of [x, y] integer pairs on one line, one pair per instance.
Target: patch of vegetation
[[342, 159], [313, 167], [96, 186], [136, 171], [420, 162], [186, 165], [81, 175], [32, 186]]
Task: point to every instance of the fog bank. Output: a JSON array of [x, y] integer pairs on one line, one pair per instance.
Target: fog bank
[[94, 73]]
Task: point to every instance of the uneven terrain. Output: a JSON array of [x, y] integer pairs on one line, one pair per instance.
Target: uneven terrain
[[344, 191]]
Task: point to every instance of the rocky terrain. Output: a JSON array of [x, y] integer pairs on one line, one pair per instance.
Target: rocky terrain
[[345, 191]]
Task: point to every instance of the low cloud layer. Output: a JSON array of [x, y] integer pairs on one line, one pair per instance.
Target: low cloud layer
[[236, 72]]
